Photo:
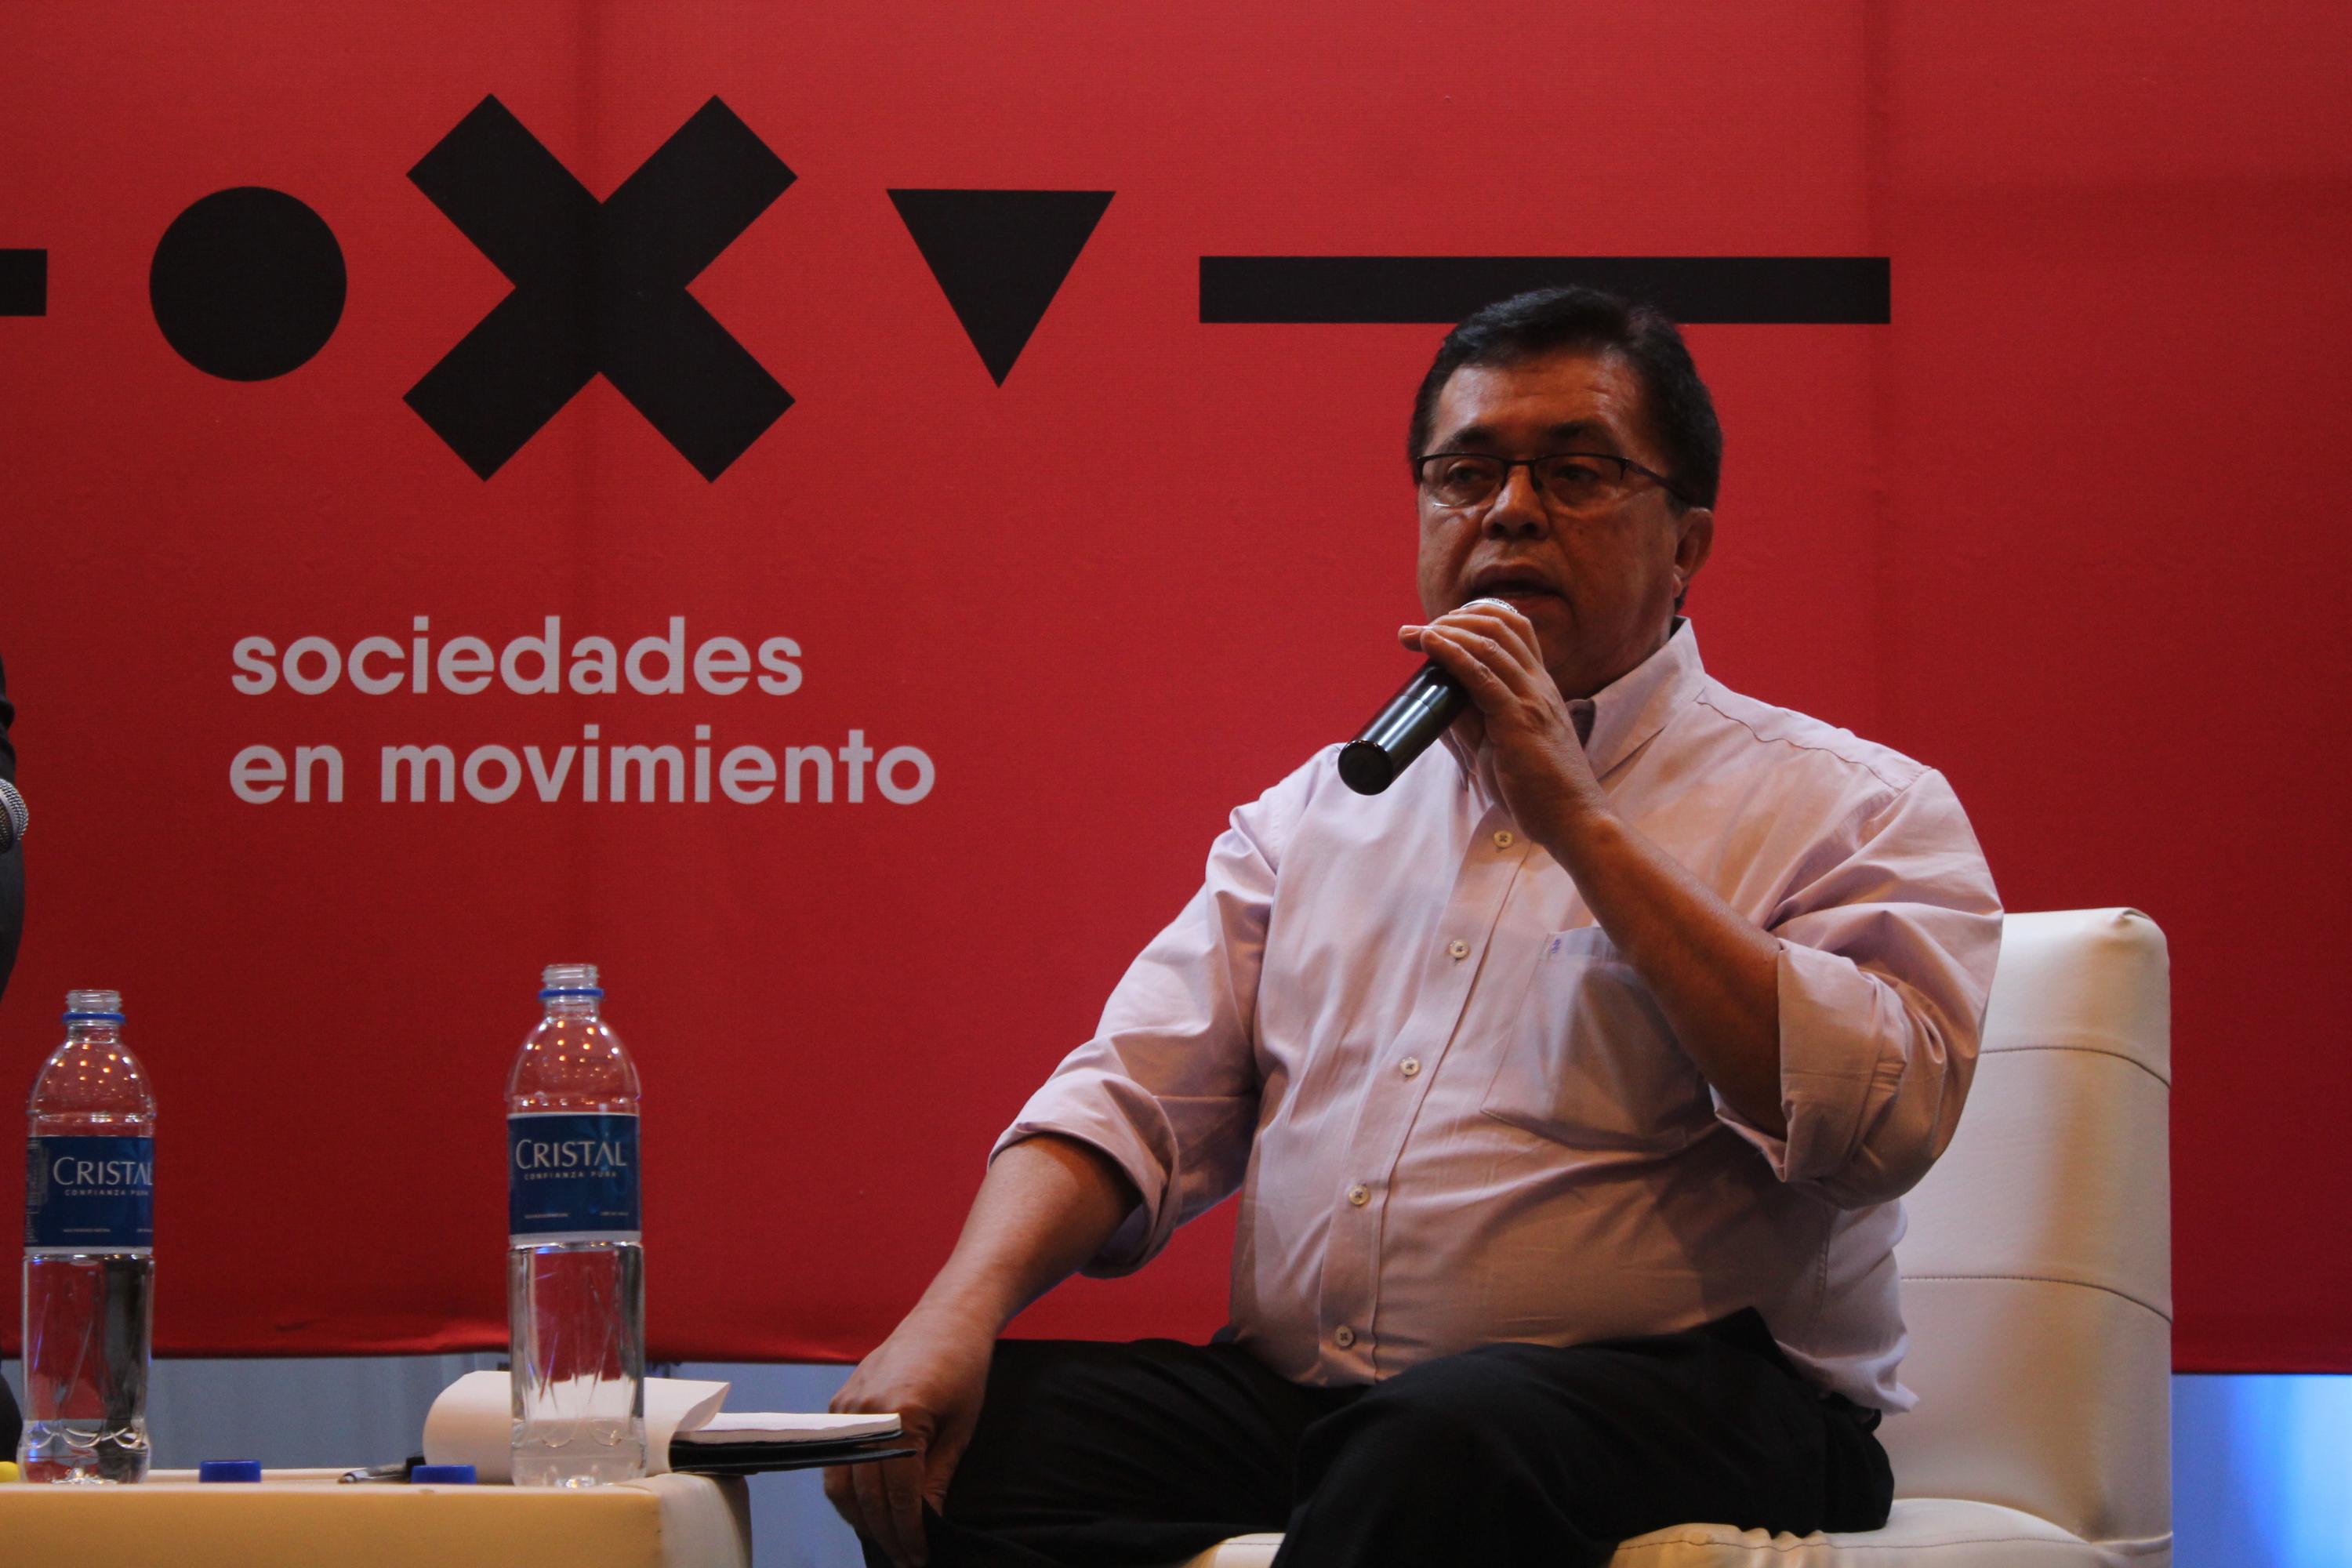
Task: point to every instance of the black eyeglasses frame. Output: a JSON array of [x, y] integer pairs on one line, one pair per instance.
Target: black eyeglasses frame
[[1624, 466]]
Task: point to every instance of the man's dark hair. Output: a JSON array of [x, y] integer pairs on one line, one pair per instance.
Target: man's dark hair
[[1547, 321]]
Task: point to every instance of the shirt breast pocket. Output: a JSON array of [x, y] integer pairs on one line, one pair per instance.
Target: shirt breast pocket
[[1589, 1061]]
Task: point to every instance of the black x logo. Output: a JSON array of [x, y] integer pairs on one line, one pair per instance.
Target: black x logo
[[600, 286]]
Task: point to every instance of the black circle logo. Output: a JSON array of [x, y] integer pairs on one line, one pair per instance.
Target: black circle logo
[[247, 284]]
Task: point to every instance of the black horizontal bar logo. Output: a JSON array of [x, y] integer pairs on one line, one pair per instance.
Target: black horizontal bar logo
[[1442, 289]]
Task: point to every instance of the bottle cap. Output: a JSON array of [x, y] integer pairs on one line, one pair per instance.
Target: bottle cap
[[229, 1470], [442, 1475], [562, 980], [93, 1007]]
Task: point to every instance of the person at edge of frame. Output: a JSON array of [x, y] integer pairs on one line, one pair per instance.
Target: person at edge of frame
[[12, 927]]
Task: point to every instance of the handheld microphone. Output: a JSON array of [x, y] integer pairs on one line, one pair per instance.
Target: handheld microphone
[[1402, 731], [12, 817]]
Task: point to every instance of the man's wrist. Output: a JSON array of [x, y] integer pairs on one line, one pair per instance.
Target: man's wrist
[[1575, 818], [974, 1309]]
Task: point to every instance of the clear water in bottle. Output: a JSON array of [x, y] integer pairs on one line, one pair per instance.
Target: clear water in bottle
[[90, 1262], [575, 1269]]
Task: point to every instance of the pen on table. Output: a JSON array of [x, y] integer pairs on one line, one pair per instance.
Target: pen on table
[[395, 1471]]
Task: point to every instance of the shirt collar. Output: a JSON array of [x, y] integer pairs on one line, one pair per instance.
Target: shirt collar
[[1635, 706], [1615, 722]]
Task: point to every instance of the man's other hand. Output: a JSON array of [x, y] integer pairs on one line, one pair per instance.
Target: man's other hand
[[1047, 1204], [933, 1371]]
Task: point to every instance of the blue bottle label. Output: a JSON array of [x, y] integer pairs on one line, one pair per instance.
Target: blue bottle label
[[90, 1194], [571, 1177]]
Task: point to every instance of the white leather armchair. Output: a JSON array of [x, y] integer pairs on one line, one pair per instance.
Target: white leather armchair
[[2037, 1285]]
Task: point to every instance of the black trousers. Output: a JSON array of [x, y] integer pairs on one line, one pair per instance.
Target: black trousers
[[1088, 1453]]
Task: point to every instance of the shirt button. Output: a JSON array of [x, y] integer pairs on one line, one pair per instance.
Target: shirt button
[[1359, 1194], [1409, 1066], [1343, 1336], [1501, 840], [1458, 948]]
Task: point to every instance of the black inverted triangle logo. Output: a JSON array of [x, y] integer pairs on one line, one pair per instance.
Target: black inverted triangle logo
[[1000, 257]]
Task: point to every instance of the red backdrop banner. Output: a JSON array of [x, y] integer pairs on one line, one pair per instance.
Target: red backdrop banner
[[1024, 523]]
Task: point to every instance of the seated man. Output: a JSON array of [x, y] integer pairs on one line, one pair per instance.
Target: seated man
[[1568, 1086]]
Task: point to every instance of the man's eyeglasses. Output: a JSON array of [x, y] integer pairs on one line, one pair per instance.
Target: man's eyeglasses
[[1572, 481]]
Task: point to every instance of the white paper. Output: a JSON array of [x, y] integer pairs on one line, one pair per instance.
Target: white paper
[[675, 1405], [472, 1423], [768, 1427]]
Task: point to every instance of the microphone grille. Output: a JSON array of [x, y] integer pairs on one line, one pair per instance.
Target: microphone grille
[[1366, 768]]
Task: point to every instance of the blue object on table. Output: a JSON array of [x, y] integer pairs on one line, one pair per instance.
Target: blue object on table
[[229, 1470], [442, 1475]]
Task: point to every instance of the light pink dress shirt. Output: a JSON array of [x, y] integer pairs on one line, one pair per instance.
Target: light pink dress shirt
[[1455, 1113]]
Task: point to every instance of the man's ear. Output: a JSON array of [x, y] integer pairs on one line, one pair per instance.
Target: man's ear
[[1692, 546]]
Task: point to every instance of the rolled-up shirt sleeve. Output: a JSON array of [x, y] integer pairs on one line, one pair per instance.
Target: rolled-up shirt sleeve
[[1168, 1087], [1886, 959]]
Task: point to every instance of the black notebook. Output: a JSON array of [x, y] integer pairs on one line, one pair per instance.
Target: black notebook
[[745, 1444]]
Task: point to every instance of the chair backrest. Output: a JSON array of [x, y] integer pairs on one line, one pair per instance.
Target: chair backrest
[[2037, 1273]]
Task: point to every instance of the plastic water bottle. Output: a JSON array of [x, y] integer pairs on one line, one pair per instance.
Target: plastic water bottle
[[90, 1262], [576, 1270]]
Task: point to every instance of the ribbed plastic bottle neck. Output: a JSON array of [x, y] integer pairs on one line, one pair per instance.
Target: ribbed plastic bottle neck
[[570, 990], [572, 1000], [93, 1016]]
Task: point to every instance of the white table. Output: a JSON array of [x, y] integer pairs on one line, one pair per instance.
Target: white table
[[301, 1519]]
